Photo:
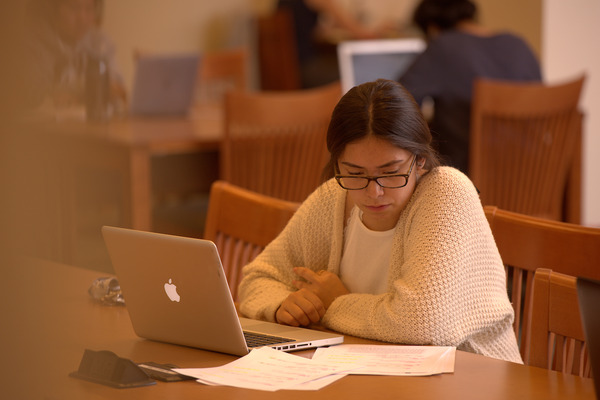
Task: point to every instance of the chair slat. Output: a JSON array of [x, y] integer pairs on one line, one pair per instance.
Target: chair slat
[[527, 243], [274, 142], [242, 223], [525, 140], [557, 340]]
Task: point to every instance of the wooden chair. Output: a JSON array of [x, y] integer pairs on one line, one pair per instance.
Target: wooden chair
[[557, 336], [527, 243], [222, 71], [277, 51], [525, 147], [242, 223], [274, 142]]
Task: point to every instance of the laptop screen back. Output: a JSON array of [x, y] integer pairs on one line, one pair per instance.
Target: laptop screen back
[[176, 291], [164, 84], [363, 61]]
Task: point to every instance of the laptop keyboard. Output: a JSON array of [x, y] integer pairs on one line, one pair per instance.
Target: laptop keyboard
[[254, 339]]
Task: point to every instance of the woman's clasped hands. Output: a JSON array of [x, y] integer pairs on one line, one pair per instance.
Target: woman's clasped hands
[[316, 291]]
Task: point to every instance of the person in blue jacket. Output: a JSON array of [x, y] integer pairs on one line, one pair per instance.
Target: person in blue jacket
[[458, 51]]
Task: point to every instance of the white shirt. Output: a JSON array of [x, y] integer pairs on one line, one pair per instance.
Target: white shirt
[[366, 256]]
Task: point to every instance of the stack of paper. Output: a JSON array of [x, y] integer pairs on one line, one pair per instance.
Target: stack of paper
[[269, 369], [390, 360]]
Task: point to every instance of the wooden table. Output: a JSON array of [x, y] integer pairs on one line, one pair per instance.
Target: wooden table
[[49, 320], [50, 160], [143, 138]]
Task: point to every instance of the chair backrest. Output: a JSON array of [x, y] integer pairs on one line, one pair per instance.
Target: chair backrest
[[278, 51], [527, 243], [525, 145], [557, 337], [274, 142], [222, 71], [241, 223]]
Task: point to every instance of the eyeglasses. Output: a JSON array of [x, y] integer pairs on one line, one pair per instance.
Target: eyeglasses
[[350, 182]]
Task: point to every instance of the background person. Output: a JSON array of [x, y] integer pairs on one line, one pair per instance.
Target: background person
[[460, 50], [317, 58], [395, 248], [62, 36]]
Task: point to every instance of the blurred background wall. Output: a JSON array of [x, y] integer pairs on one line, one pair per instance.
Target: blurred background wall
[[569, 47], [563, 34], [192, 25]]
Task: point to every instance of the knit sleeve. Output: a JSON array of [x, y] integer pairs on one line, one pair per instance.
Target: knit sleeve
[[447, 284], [306, 241]]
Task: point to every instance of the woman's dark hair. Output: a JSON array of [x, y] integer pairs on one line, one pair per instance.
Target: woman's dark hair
[[383, 109], [444, 14]]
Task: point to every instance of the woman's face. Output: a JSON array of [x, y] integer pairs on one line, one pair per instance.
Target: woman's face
[[74, 19], [372, 156]]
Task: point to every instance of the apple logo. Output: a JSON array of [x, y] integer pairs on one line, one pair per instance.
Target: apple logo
[[171, 291]]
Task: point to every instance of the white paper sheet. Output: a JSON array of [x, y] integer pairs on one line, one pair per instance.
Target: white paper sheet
[[390, 360], [269, 369]]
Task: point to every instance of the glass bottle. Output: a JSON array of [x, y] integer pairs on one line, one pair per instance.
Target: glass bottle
[[96, 89]]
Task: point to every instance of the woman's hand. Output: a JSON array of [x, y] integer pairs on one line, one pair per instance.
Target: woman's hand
[[300, 308], [326, 285], [314, 296]]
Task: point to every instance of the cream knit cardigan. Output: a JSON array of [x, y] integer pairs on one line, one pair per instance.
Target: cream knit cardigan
[[446, 286]]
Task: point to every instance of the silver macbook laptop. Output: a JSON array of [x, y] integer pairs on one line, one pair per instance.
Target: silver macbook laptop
[[164, 84], [363, 61], [588, 293], [176, 292]]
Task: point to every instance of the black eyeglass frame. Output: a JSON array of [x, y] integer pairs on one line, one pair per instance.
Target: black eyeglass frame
[[339, 178]]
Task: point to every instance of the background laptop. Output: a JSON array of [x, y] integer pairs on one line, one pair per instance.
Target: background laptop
[[588, 293], [200, 312], [164, 84], [363, 61]]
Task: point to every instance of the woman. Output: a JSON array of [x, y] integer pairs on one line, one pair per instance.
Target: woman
[[394, 248]]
